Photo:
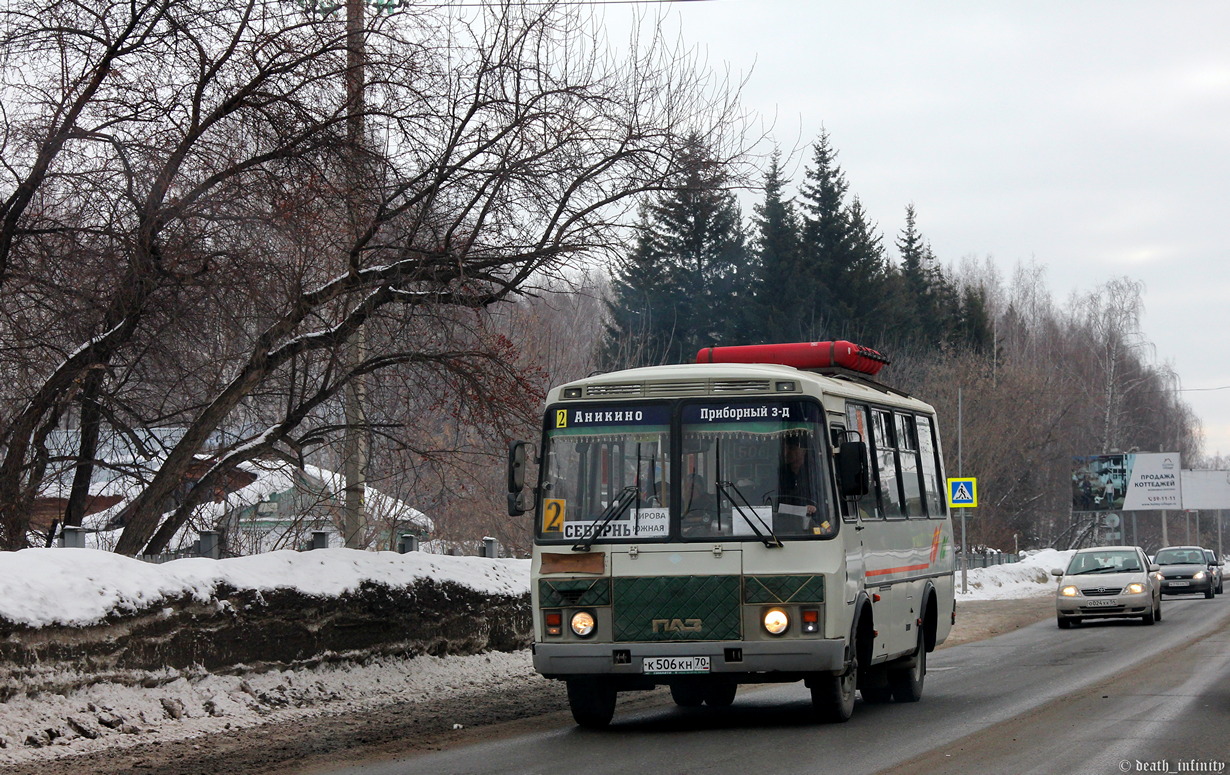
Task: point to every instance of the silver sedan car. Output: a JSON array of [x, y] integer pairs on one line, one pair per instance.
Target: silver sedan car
[[1108, 582]]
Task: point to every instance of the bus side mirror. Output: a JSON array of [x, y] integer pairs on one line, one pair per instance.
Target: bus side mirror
[[852, 474], [516, 466], [517, 502]]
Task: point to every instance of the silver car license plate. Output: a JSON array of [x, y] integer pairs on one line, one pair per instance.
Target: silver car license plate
[[675, 665], [1104, 603]]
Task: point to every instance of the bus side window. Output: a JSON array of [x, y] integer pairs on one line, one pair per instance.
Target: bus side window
[[907, 453], [885, 458], [932, 483], [857, 420]]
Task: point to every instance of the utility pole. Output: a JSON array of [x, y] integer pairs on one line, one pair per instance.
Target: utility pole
[[355, 444], [960, 473]]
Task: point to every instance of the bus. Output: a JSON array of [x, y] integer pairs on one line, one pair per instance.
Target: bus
[[770, 513]]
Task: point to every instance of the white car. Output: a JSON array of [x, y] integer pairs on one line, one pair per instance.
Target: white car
[[1108, 582]]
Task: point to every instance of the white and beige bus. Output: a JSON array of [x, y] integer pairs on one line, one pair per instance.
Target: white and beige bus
[[770, 513]]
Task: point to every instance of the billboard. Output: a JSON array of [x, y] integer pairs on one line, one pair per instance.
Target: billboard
[[1127, 482], [1206, 489]]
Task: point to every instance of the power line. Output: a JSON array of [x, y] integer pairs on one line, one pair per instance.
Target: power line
[[479, 3]]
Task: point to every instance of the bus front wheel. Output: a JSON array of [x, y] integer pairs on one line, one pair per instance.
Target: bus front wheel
[[592, 702], [832, 694]]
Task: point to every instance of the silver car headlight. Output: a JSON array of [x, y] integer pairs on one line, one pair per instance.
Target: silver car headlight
[[1068, 591], [1135, 588], [1198, 575]]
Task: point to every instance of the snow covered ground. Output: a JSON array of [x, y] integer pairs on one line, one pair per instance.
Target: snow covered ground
[[81, 586], [1031, 577], [40, 587]]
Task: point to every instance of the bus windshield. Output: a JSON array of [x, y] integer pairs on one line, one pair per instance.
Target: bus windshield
[[597, 455], [744, 471], [753, 469]]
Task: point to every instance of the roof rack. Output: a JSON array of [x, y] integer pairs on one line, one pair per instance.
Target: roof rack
[[812, 356]]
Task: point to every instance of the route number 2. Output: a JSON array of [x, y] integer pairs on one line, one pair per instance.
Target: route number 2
[[553, 515]]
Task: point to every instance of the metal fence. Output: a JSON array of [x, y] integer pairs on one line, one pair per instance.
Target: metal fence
[[989, 560]]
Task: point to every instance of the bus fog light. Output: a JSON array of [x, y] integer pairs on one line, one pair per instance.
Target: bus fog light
[[776, 621], [582, 623]]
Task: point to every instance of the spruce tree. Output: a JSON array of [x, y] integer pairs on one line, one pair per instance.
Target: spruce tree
[[861, 282], [913, 309], [779, 294], [975, 331], [687, 282], [642, 309], [826, 238]]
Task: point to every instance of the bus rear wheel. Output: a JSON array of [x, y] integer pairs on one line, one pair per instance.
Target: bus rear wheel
[[907, 682], [592, 703]]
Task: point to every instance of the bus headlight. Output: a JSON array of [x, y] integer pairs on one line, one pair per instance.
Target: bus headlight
[[776, 621], [582, 623]]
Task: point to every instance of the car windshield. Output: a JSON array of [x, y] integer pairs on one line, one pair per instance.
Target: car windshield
[[1104, 562], [1180, 557]]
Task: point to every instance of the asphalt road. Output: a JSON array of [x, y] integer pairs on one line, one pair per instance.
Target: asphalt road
[[1101, 698]]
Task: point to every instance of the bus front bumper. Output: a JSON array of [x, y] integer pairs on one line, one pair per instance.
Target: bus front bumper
[[561, 660]]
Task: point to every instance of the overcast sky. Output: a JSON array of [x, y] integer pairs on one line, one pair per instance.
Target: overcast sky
[[1088, 138]]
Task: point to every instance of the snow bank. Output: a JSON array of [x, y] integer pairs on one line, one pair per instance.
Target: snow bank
[[1031, 577], [182, 705], [81, 587]]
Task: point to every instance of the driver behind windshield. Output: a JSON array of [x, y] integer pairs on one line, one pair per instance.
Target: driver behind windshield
[[795, 476]]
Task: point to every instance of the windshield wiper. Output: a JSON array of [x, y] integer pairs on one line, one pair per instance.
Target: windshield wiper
[[617, 507], [775, 542]]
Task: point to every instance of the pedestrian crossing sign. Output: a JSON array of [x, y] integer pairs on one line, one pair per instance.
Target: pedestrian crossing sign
[[962, 493]]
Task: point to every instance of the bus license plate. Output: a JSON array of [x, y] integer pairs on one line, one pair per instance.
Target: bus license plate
[[1100, 603], [675, 665]]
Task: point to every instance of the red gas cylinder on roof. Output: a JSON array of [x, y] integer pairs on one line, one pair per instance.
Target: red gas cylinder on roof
[[801, 355]]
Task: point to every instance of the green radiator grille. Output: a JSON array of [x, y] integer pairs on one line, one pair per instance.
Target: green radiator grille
[[676, 608], [554, 593], [783, 589]]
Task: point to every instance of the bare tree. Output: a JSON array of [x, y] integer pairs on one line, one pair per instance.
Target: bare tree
[[192, 158]]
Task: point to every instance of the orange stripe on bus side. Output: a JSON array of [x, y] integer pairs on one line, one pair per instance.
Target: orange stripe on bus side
[[886, 571]]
